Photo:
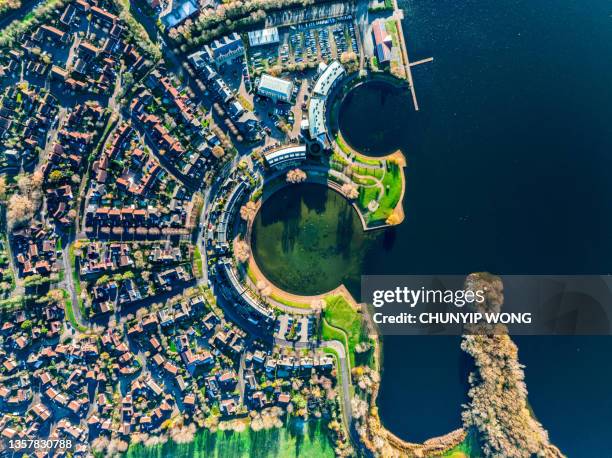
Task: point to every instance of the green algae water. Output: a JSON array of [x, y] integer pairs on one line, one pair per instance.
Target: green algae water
[[298, 440], [308, 239]]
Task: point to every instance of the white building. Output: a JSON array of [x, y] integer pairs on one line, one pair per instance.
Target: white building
[[284, 157], [275, 88], [263, 37], [328, 78]]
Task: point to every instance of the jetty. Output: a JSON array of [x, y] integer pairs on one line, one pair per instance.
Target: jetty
[[398, 16]]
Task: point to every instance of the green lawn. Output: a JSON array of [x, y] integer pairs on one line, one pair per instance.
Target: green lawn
[[391, 28], [331, 333], [343, 145], [366, 160], [393, 191], [197, 257], [366, 195], [361, 170], [251, 274], [367, 181], [295, 439], [69, 312], [289, 303], [342, 321], [76, 279]]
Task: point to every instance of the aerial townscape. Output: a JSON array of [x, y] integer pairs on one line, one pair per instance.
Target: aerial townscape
[[139, 142]]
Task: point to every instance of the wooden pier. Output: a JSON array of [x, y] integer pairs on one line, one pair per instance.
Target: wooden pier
[[398, 15]]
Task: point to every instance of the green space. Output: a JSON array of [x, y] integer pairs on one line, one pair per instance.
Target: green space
[[343, 145], [197, 257], [392, 181], [368, 171], [366, 195], [469, 448], [69, 313], [329, 332], [136, 29], [391, 27], [288, 302], [298, 439], [367, 161], [342, 322], [76, 280], [365, 181]]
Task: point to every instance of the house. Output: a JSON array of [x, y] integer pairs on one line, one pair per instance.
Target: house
[[383, 42], [228, 406], [226, 49]]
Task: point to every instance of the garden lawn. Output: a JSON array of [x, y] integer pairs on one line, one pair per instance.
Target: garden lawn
[[392, 182], [340, 315]]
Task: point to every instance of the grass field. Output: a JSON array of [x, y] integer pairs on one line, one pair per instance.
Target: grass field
[[197, 257], [343, 145], [367, 161], [366, 195], [342, 321], [76, 279], [289, 303], [295, 440], [392, 182]]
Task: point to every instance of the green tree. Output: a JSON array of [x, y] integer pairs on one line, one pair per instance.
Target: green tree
[[56, 176], [103, 280]]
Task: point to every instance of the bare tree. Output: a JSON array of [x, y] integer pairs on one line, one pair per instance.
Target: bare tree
[[296, 176]]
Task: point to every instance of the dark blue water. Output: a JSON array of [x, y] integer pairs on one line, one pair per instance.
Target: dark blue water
[[509, 163]]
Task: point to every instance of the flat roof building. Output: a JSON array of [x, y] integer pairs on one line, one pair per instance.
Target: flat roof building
[[178, 12], [316, 119], [285, 156], [263, 37], [329, 77], [275, 88]]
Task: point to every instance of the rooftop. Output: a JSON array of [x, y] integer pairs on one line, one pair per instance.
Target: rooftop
[[264, 36], [275, 85], [180, 10], [290, 153], [327, 79]]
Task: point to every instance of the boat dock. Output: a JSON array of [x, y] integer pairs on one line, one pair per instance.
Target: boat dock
[[398, 15]]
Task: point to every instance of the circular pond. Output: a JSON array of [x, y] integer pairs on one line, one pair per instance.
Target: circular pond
[[373, 117], [307, 239]]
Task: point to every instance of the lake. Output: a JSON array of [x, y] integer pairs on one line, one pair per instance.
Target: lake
[[508, 172]]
